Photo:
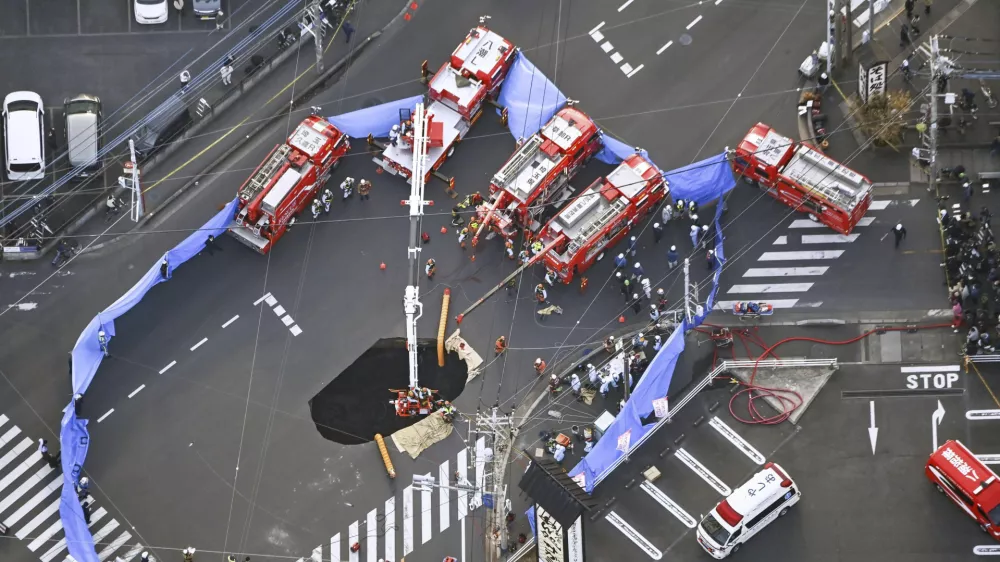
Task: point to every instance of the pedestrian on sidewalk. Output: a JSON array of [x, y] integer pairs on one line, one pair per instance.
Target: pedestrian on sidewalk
[[657, 232], [995, 146], [574, 382], [85, 505], [823, 82], [899, 233], [626, 289], [967, 191], [909, 8], [211, 246], [637, 272], [348, 31], [667, 213], [647, 288], [227, 75]]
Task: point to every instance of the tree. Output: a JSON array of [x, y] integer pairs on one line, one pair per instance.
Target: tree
[[883, 118]]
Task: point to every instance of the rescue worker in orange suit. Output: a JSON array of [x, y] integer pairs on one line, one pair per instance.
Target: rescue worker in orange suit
[[500, 346], [430, 268], [364, 188], [539, 366]]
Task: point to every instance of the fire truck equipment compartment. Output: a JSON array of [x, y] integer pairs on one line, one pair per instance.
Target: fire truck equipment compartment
[[377, 120], [355, 406]]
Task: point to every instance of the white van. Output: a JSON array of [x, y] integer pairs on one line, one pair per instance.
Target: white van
[[24, 136], [751, 507]]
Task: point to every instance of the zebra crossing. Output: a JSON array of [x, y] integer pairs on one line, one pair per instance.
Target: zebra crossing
[[790, 273], [30, 493], [427, 511]]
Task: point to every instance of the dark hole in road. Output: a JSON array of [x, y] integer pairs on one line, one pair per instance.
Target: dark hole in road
[[355, 406]]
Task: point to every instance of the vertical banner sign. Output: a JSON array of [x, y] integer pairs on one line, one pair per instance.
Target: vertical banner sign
[[661, 407], [876, 79], [574, 541], [862, 83], [624, 440], [551, 537]]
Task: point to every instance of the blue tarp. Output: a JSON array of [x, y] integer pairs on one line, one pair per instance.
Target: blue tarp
[[702, 181], [615, 151], [73, 436], [530, 514], [376, 120], [530, 98]]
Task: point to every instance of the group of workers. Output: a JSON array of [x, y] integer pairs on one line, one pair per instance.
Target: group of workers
[[322, 203]]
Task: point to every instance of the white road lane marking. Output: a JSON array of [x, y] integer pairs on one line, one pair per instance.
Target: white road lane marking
[[625, 5], [461, 470], [596, 29], [167, 368], [930, 369], [407, 520], [287, 320], [426, 514], [664, 48], [371, 533], [105, 416], [231, 320], [136, 391], [262, 299], [199, 344], [806, 223], [693, 23], [47, 534], [9, 436], [105, 531], [19, 470], [295, 330], [702, 471], [669, 504], [781, 240], [30, 505], [607, 47], [633, 535], [317, 554], [717, 2], [135, 550], [829, 238], [626, 68], [636, 70], [114, 546], [784, 271], [444, 475], [3, 419], [270, 300], [279, 310], [390, 528], [335, 548], [597, 36], [24, 487], [813, 255], [15, 452], [737, 440], [770, 288], [780, 303], [879, 205], [352, 537]]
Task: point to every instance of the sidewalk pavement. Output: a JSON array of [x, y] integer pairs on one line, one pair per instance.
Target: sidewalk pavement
[[196, 157]]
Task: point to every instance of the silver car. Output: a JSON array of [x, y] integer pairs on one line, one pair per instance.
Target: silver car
[[83, 132]]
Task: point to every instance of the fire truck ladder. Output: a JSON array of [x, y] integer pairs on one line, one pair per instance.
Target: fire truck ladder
[[262, 177], [522, 158], [612, 211], [412, 306]]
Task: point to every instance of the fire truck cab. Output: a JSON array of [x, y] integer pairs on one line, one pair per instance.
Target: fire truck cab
[[803, 178], [538, 173], [472, 75], [284, 184], [969, 483], [601, 215]]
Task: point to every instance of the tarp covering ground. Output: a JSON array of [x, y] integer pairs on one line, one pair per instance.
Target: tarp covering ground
[[74, 439]]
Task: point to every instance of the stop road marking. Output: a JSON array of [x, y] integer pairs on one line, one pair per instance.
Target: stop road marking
[[931, 380]]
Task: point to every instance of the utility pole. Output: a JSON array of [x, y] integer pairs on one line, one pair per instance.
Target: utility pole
[[848, 26], [130, 182], [500, 433], [687, 291], [317, 29], [932, 148], [832, 35]]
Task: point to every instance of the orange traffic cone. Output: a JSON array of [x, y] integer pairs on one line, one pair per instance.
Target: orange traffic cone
[[382, 267], [444, 230], [472, 257], [621, 319]]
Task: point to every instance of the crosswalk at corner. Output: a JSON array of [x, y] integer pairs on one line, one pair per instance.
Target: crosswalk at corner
[[798, 258], [30, 492]]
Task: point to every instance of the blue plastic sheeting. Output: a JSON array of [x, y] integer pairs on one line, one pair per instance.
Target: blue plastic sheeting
[[377, 120], [530, 514], [74, 439], [87, 353], [702, 181], [720, 261], [654, 384], [530, 98], [615, 151]]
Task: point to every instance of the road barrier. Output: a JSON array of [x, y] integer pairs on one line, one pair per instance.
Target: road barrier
[[385, 455]]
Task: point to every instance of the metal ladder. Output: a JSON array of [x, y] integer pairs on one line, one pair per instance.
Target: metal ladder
[[524, 155], [263, 175], [614, 209]]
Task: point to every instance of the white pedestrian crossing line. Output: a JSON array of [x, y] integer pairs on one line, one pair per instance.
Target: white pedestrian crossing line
[[3, 420], [407, 520], [114, 546], [371, 534], [230, 321], [785, 271], [808, 255], [426, 513], [778, 303], [390, 528], [26, 508], [829, 238], [15, 452], [444, 475], [335, 548], [135, 550], [317, 554], [19, 470], [21, 490], [47, 534], [11, 434], [480, 469], [669, 504], [167, 368], [781, 241], [264, 298], [105, 531], [59, 546], [702, 471], [461, 471], [770, 288], [352, 537], [806, 223], [881, 204], [737, 440]]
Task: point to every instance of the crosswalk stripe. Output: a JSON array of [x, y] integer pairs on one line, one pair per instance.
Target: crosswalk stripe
[[135, 550], [19, 470], [806, 223], [426, 514], [3, 420], [47, 534], [444, 476], [371, 533], [390, 528], [15, 452], [878, 205], [31, 504], [24, 487], [480, 468], [59, 546], [407, 520], [317, 554], [335, 548], [462, 472], [114, 546], [105, 531], [809, 255], [352, 537], [38, 519], [702, 471], [10, 435], [779, 303], [829, 238], [781, 241], [771, 288], [785, 271]]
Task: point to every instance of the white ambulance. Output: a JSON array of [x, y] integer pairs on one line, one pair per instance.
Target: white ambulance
[[751, 507]]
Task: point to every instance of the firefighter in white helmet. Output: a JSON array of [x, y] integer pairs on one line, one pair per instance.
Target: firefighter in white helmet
[[317, 208], [347, 186], [394, 135], [326, 198]]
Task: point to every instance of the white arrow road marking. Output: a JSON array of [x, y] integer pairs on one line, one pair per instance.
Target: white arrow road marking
[[745, 447], [634, 536], [671, 506], [872, 430], [936, 418], [705, 474]]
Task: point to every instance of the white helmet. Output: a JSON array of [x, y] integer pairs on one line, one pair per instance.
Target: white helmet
[[618, 274], [656, 225], [636, 265], [590, 365], [349, 179], [899, 226], [694, 216], [633, 239], [659, 291], [84, 480], [611, 337], [621, 255], [705, 228], [673, 248], [710, 252], [395, 128], [100, 332], [538, 361], [652, 307]]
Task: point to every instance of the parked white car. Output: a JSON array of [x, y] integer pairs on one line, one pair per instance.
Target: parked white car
[[149, 12], [24, 136]]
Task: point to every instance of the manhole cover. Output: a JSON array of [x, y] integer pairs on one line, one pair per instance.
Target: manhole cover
[[685, 39]]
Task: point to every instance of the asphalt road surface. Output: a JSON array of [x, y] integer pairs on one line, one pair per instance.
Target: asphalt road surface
[[234, 394]]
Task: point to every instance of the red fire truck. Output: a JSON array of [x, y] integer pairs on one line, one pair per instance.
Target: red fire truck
[[601, 215], [286, 182], [538, 173], [458, 91], [803, 178], [965, 480]]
